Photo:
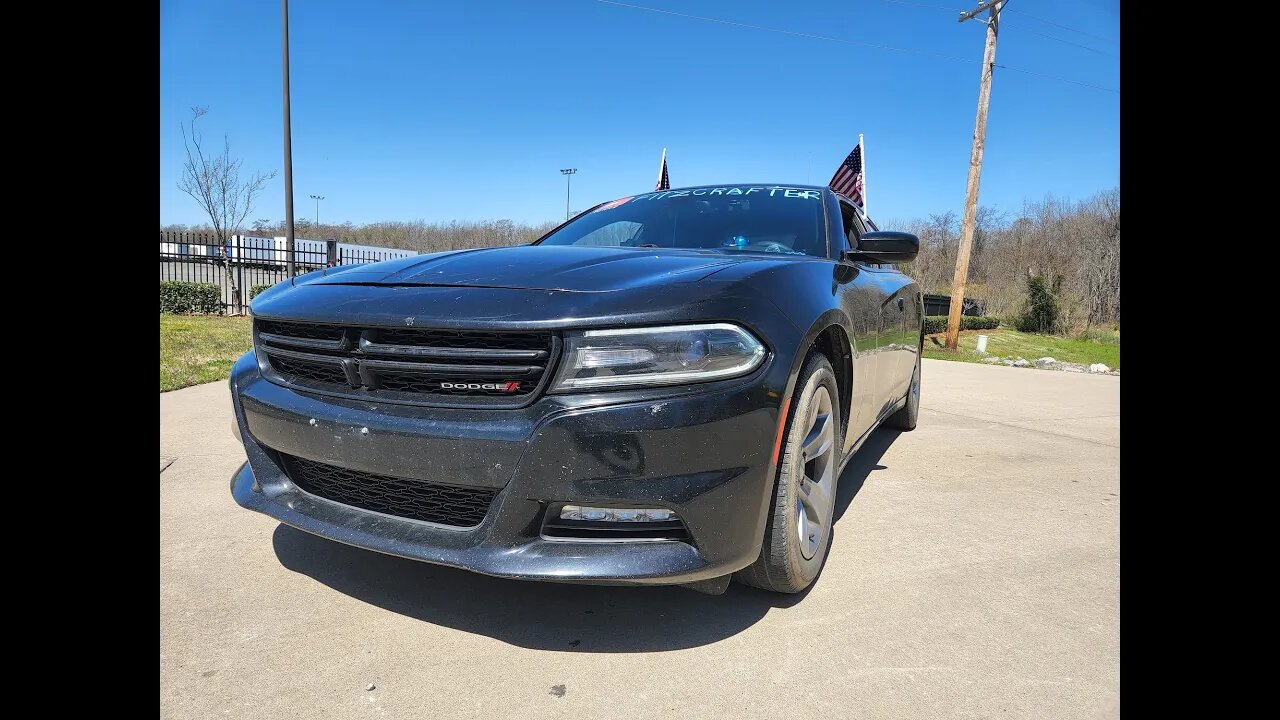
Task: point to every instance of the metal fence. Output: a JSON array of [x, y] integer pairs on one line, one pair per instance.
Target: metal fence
[[248, 261], [941, 305]]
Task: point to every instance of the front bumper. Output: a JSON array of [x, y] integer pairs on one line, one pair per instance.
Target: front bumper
[[706, 455]]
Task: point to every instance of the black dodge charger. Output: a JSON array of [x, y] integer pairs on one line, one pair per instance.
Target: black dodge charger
[[662, 390]]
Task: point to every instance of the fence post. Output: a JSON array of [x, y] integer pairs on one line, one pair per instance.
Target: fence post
[[240, 274]]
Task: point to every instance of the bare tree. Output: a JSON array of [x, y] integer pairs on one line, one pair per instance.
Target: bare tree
[[1078, 242], [214, 181]]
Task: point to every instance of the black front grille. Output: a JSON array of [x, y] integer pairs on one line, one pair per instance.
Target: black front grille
[[462, 368], [403, 497], [324, 371], [300, 330]]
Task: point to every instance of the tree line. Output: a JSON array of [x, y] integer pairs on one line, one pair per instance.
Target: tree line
[[1068, 249]]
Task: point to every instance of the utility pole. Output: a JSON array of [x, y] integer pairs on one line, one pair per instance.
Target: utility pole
[[961, 278], [317, 198], [568, 178], [288, 149]]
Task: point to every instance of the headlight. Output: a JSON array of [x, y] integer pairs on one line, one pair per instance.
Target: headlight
[[672, 355]]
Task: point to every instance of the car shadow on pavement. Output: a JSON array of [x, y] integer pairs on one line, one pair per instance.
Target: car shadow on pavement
[[551, 616], [864, 462]]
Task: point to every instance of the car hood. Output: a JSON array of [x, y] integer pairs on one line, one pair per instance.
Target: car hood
[[537, 267]]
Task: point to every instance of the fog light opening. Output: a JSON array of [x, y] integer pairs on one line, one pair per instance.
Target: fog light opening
[[602, 514]]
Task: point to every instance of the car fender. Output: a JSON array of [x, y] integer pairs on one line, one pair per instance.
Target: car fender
[[831, 317]]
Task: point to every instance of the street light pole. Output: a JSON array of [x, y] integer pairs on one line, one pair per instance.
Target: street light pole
[[317, 198], [288, 148], [568, 178]]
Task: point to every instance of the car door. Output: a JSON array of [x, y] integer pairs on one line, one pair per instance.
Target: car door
[[883, 287], [910, 300], [861, 296], [899, 336]]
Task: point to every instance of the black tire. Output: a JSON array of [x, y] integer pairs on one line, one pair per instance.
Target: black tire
[[782, 565], [906, 417]]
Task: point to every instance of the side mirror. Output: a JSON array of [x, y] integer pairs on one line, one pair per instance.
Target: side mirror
[[885, 246]]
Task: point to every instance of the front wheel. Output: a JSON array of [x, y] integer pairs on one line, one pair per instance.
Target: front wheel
[[798, 533]]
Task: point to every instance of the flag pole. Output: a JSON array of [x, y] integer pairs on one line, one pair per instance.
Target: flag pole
[[863, 147]]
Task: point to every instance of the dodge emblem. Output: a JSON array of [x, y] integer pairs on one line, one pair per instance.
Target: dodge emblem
[[504, 387]]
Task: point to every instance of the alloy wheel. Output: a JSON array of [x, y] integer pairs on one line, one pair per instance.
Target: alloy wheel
[[815, 495]]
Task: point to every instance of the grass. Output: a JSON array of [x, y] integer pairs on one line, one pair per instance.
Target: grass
[[1007, 342], [200, 348]]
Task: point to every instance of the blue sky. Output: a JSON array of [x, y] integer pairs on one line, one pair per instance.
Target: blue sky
[[433, 110]]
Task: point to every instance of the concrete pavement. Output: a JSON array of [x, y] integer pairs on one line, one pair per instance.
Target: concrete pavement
[[974, 572]]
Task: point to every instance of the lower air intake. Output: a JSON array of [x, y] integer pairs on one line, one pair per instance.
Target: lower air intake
[[403, 497]]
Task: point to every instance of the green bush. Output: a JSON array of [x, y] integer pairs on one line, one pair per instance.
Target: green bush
[[188, 298], [253, 291], [938, 323], [1042, 306]]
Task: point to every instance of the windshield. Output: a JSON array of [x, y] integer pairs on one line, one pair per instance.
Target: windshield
[[733, 218]]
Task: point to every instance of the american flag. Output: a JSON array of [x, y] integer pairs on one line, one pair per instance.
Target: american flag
[[848, 178], [664, 182]]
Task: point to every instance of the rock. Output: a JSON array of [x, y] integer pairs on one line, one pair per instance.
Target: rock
[[1007, 361], [1020, 362], [1045, 362], [370, 686], [1071, 367], [1098, 368], [991, 360]]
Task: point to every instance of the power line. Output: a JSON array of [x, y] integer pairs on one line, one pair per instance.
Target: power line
[[1064, 27], [953, 58], [1055, 77], [1068, 42]]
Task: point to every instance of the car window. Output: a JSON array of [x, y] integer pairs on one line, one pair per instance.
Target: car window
[[732, 219], [849, 217], [614, 234], [858, 224]]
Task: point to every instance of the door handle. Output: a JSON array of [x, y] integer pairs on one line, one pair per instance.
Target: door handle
[[902, 303]]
